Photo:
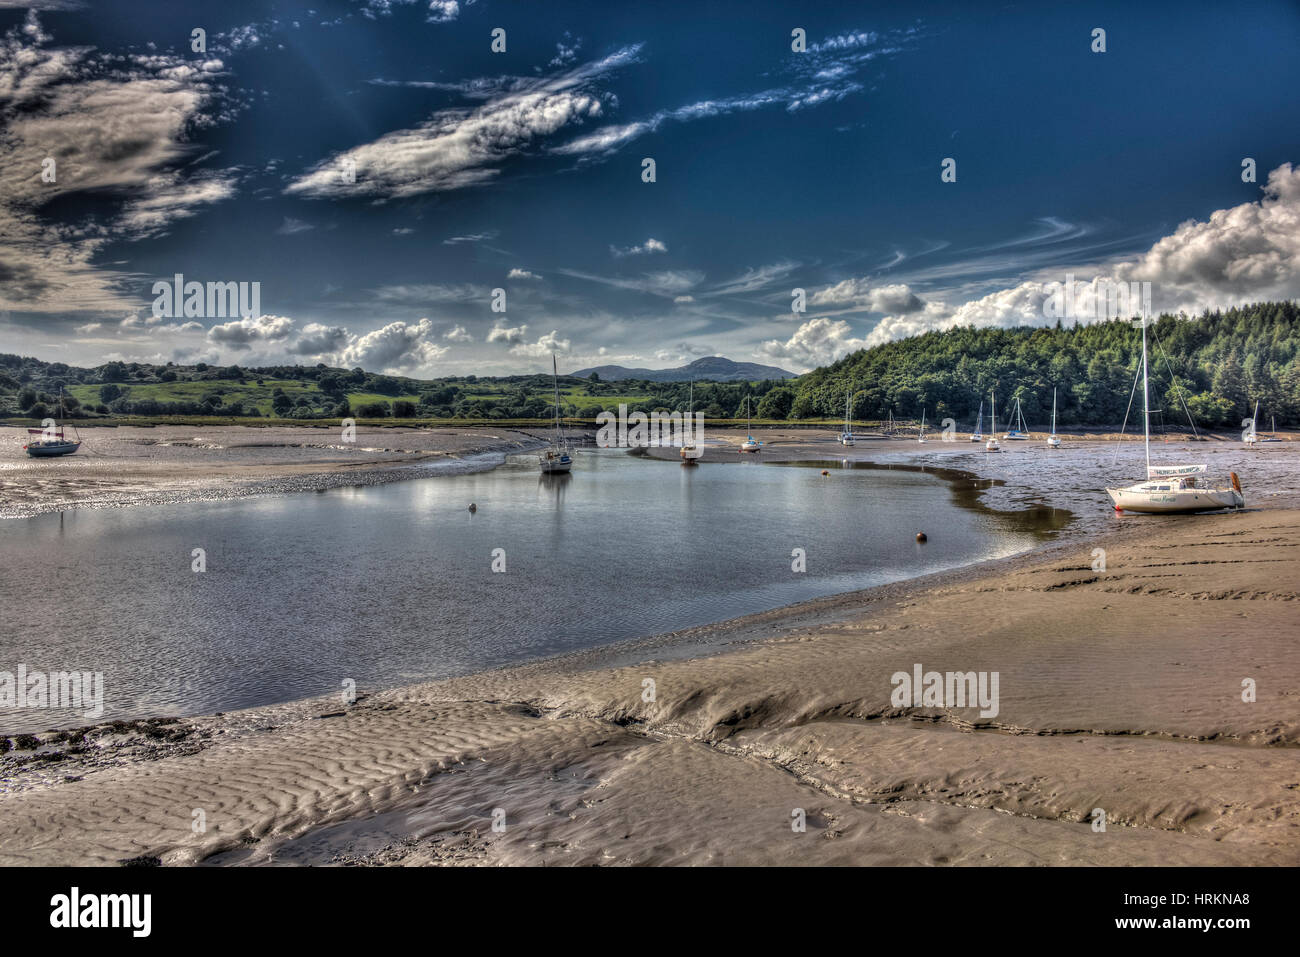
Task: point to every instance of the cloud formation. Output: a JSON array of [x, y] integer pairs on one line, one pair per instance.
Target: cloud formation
[[459, 147]]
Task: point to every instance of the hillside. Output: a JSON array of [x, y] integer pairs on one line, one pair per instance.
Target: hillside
[[1217, 364], [712, 368]]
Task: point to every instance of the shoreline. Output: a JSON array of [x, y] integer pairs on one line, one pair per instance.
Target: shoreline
[[594, 774], [1118, 687]]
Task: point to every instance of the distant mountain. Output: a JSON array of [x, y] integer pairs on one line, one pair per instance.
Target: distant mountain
[[713, 368]]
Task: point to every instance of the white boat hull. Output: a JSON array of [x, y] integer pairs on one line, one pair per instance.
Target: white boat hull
[[1143, 498]]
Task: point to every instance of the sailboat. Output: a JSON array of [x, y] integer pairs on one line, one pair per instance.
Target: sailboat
[[1272, 435], [1170, 488], [993, 426], [53, 441], [556, 459], [691, 452], [846, 437], [1017, 433], [1250, 437], [890, 429], [750, 444], [921, 437], [977, 435], [1053, 440]]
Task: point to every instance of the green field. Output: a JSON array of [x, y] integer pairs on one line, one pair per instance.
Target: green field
[[253, 396]]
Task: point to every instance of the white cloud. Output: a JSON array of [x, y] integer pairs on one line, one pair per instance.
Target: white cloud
[[1246, 253], [398, 346], [547, 344], [243, 333], [649, 246], [459, 147], [816, 342], [457, 334], [291, 226], [895, 298], [500, 333], [115, 126], [522, 274]]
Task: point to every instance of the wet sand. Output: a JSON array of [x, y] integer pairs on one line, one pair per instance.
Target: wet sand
[[133, 465], [1121, 689]]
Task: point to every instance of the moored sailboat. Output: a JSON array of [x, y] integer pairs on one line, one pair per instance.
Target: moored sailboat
[[1053, 440], [52, 439], [750, 444], [690, 451], [1170, 488], [556, 459], [992, 445], [978, 435], [846, 437]]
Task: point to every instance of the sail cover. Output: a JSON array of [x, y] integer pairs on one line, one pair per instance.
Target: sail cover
[[1171, 471]]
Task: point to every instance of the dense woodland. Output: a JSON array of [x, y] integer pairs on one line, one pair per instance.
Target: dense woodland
[[1216, 366]]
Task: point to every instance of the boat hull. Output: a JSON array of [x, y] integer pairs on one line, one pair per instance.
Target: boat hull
[[555, 468], [51, 449], [1175, 500]]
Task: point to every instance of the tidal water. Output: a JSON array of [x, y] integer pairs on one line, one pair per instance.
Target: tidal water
[[392, 584]]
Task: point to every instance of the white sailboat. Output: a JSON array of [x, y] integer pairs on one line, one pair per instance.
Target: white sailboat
[[750, 444], [977, 435], [690, 451], [993, 426], [556, 459], [1053, 440], [846, 437], [1018, 431], [921, 437], [1170, 488]]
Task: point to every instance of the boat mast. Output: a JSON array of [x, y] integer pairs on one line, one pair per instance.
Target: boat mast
[[1146, 398], [1053, 410], [555, 379]]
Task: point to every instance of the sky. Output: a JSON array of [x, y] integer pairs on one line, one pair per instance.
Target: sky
[[380, 171]]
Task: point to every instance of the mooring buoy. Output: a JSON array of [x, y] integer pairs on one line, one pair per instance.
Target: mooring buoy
[[473, 507], [920, 537]]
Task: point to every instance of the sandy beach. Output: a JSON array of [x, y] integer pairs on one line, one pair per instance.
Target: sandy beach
[[1120, 694]]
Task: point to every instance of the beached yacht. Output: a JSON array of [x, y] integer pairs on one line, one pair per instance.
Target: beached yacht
[[992, 445], [750, 444], [52, 440], [1171, 488], [556, 459], [1053, 440], [977, 435], [846, 437]]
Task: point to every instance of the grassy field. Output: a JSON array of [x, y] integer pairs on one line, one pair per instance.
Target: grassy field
[[252, 395]]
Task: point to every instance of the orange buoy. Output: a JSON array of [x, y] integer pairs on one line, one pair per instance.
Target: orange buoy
[[825, 472], [920, 537]]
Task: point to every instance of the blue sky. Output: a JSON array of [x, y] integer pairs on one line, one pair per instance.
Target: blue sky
[[522, 171]]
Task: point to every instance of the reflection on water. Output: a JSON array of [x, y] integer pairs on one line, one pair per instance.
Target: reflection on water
[[395, 583]]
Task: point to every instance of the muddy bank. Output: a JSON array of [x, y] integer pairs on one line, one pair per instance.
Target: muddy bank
[[1121, 689]]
